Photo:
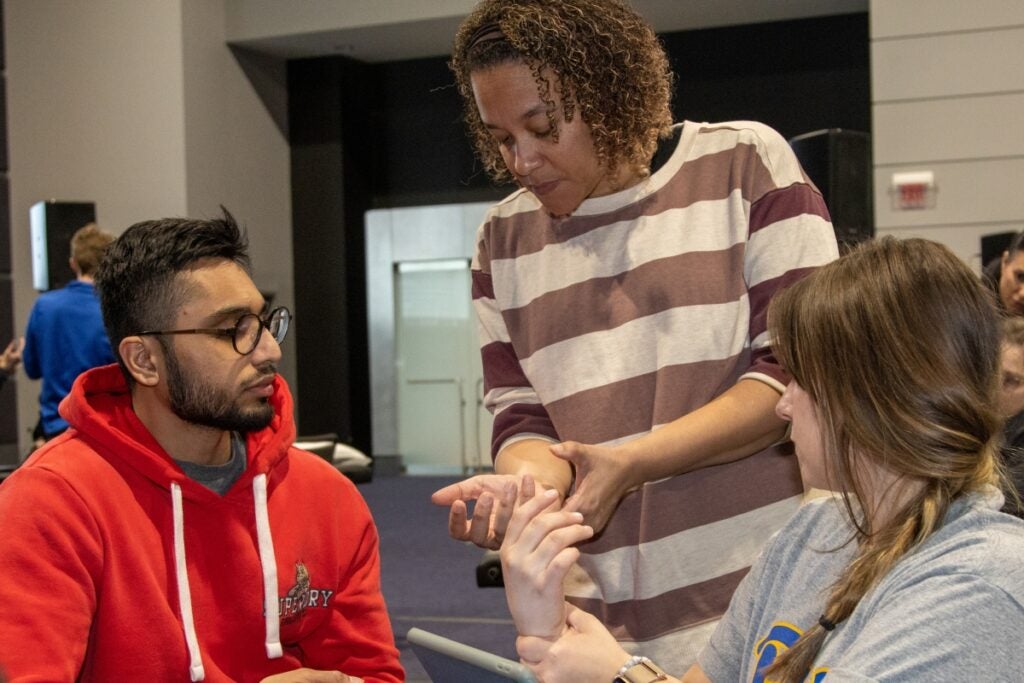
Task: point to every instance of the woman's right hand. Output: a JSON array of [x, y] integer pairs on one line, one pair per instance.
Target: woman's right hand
[[536, 555], [586, 651]]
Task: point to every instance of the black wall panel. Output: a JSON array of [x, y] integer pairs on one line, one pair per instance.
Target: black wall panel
[[796, 76], [839, 163], [330, 155], [5, 224]]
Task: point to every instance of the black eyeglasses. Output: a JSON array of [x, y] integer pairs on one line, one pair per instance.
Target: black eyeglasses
[[245, 335]]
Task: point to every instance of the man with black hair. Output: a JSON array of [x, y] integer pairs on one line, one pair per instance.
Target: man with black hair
[[174, 531]]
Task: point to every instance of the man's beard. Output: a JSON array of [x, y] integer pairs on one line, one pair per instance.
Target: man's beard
[[195, 402]]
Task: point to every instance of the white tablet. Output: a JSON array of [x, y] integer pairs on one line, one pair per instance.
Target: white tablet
[[449, 661]]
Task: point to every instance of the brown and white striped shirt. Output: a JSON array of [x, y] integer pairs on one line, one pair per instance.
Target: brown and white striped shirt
[[641, 307]]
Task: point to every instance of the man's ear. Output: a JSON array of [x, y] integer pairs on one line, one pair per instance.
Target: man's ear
[[140, 356]]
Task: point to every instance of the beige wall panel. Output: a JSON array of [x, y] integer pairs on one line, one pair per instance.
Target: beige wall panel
[[915, 17], [237, 156], [948, 65], [95, 113], [249, 19], [948, 129], [964, 240], [969, 193]]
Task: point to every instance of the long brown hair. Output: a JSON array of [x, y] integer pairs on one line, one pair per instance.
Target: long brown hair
[[897, 343], [611, 70]]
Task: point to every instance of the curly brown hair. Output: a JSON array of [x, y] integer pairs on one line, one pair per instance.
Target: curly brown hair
[[609, 65]]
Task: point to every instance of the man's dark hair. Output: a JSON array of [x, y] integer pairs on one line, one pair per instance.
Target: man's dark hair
[[136, 280]]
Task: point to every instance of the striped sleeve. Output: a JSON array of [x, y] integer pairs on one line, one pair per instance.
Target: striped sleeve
[[790, 234], [508, 394]]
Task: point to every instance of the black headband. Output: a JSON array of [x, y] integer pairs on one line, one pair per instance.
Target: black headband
[[485, 33]]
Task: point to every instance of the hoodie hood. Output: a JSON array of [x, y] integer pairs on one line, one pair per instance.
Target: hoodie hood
[[99, 407]]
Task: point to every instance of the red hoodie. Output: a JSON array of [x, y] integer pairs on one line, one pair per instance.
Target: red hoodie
[[115, 566]]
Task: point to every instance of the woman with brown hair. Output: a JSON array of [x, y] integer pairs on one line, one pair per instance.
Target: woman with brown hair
[[621, 292], [910, 572]]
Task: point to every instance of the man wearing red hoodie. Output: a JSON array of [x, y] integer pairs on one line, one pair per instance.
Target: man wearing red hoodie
[[174, 533]]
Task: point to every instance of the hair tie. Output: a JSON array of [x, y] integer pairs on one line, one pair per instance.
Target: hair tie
[[486, 32], [826, 623]]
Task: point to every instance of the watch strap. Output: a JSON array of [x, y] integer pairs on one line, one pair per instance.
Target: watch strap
[[639, 669]]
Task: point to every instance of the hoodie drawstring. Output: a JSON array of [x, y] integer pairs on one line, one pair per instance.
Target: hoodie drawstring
[[195, 666], [268, 563]]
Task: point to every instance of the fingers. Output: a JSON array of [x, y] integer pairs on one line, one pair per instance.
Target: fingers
[[467, 489], [596, 513], [578, 619], [573, 503], [540, 542], [489, 518], [531, 649], [527, 488], [480, 526], [458, 521], [567, 450], [527, 511], [503, 513]]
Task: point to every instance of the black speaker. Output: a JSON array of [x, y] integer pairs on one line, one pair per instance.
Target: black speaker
[[993, 246], [52, 224], [838, 161]]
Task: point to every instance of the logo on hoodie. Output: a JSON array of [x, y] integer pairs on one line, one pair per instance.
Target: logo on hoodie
[[301, 595]]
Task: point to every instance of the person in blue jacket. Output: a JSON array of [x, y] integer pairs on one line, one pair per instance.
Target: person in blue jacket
[[65, 334]]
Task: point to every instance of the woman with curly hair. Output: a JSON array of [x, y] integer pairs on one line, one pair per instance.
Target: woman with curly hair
[[621, 294], [911, 572]]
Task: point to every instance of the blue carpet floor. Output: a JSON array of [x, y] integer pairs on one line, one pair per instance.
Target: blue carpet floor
[[429, 580]]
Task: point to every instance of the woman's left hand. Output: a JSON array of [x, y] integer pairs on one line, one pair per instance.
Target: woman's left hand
[[535, 557]]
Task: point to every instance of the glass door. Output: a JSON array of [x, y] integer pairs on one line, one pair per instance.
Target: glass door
[[442, 425]]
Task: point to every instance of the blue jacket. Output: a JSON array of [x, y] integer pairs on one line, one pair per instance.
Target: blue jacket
[[65, 337]]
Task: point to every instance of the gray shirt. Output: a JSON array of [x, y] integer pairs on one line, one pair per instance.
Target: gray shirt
[[219, 478], [952, 610]]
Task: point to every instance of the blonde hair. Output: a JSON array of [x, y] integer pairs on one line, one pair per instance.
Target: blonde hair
[[1013, 330], [610, 67], [88, 245], [897, 343]]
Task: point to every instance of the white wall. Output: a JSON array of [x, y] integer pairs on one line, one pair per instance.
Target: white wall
[[236, 156], [136, 106], [948, 97]]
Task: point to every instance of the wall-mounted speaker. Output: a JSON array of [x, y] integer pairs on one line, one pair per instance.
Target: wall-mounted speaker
[[52, 224], [838, 161], [993, 246]]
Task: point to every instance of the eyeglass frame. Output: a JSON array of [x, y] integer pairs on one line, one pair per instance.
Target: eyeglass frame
[[232, 332]]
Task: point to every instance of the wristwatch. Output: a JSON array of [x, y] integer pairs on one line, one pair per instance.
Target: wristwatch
[[639, 669]]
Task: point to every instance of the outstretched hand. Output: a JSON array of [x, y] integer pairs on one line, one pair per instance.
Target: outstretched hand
[[495, 496], [538, 551], [603, 478]]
